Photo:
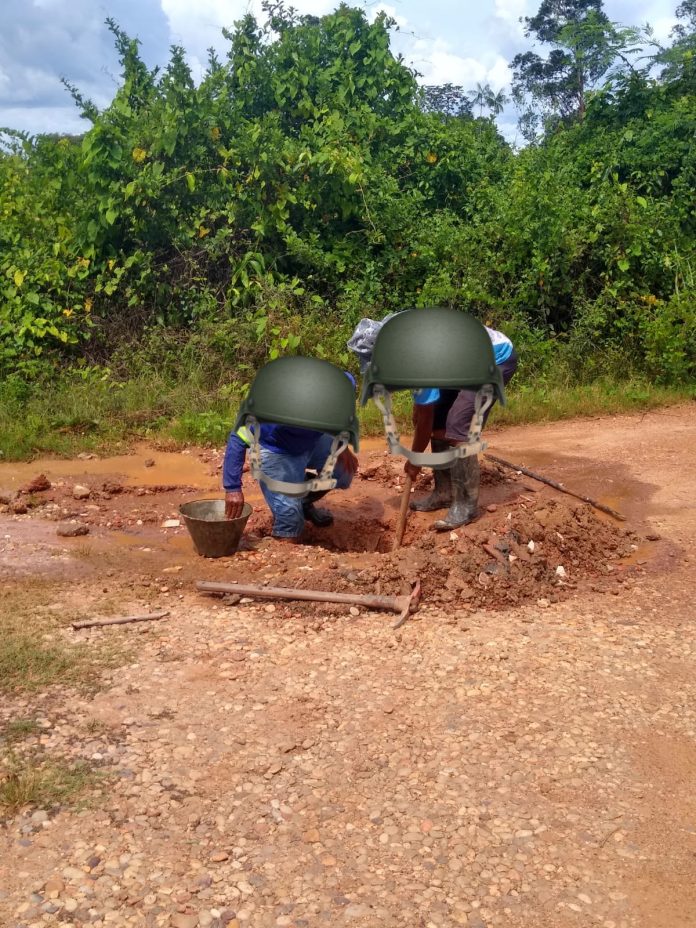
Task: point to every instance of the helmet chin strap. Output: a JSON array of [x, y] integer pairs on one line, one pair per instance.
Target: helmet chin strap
[[473, 445], [324, 481]]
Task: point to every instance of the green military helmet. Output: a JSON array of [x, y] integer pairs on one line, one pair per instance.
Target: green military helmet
[[304, 393], [434, 347]]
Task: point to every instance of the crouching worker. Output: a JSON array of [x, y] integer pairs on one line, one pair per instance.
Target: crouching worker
[[296, 423]]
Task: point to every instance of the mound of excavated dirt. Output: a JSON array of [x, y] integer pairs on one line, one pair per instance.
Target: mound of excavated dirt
[[525, 545], [523, 552]]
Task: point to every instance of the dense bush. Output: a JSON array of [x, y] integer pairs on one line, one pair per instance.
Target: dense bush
[[307, 182]]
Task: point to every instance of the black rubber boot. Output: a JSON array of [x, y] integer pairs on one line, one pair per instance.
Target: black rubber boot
[[466, 477], [441, 495], [322, 518]]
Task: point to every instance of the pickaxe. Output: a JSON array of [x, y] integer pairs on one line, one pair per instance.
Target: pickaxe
[[404, 605]]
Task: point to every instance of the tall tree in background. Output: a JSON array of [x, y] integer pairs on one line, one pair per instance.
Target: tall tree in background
[[678, 61], [486, 98], [448, 100], [584, 47], [686, 11]]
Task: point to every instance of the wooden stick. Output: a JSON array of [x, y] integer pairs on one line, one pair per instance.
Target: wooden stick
[[557, 486], [403, 513], [123, 620], [256, 591]]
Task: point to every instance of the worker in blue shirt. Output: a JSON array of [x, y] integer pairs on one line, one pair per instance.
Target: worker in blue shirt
[[441, 419], [287, 453]]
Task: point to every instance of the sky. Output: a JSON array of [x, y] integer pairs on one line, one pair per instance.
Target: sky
[[455, 41]]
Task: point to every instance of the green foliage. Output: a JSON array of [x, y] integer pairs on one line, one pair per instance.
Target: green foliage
[[197, 230]]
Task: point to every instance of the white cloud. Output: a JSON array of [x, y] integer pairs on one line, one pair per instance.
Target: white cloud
[[391, 12], [198, 26], [439, 64], [662, 27], [38, 119], [509, 12]]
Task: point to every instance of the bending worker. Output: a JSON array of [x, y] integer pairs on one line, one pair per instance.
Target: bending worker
[[442, 418], [288, 453]]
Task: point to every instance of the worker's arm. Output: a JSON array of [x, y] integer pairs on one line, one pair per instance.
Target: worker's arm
[[232, 468], [423, 418]]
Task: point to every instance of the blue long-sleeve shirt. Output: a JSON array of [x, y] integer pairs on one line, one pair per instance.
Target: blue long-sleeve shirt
[[280, 439]]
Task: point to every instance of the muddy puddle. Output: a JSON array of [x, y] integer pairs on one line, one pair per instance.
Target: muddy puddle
[[144, 467], [609, 484]]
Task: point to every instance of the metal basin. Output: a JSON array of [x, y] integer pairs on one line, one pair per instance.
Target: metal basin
[[213, 535]]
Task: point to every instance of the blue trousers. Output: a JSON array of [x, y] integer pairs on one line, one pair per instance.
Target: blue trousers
[[288, 517]]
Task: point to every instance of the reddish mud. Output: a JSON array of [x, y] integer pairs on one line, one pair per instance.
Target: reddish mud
[[528, 544]]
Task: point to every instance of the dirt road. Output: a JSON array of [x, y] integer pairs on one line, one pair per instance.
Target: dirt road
[[510, 757]]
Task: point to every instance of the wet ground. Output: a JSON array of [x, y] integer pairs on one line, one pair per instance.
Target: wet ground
[[529, 542], [521, 753]]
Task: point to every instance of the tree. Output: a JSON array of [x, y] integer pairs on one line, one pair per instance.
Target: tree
[[585, 46], [449, 100], [496, 101], [686, 11], [486, 98], [479, 97]]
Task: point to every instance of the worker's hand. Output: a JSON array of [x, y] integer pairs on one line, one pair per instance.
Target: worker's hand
[[349, 462], [234, 504], [411, 470]]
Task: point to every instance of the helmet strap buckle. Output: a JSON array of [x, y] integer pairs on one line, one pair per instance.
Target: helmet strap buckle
[[444, 459], [325, 480]]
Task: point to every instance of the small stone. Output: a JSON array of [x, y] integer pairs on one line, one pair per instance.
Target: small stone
[[54, 885], [531, 547], [79, 491], [217, 857], [492, 508], [72, 529], [184, 921], [328, 860], [148, 462], [356, 910], [653, 536], [171, 523], [311, 836], [38, 484], [561, 572], [354, 610], [544, 603], [40, 816], [388, 707], [269, 608]]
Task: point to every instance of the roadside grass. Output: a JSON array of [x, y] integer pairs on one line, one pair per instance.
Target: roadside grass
[[75, 416], [530, 403], [45, 783], [19, 729], [33, 655]]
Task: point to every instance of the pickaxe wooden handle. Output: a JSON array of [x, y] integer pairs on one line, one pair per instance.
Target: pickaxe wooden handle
[[403, 513], [401, 604]]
